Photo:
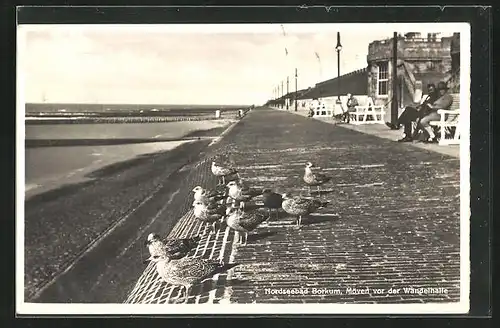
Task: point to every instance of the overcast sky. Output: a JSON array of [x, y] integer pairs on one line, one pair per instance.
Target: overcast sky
[[189, 64]]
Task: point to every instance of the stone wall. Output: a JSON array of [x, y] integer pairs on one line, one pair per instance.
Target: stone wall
[[409, 49], [421, 55], [424, 66]]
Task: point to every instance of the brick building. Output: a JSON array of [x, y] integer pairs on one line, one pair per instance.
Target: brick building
[[421, 60]]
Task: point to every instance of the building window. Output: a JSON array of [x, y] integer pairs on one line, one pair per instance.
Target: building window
[[383, 79]]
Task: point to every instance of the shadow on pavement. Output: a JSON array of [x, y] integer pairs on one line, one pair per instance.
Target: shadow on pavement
[[313, 219], [261, 235]]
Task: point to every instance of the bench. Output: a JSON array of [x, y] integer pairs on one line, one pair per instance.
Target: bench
[[322, 111], [362, 114], [448, 125]]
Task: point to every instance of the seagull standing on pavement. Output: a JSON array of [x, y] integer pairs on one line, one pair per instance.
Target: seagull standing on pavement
[[272, 201], [173, 248], [209, 213], [314, 179], [242, 193], [223, 171], [300, 207], [244, 222], [187, 271], [208, 195]]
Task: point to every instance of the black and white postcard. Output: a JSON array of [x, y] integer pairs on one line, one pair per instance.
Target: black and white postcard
[[243, 168]]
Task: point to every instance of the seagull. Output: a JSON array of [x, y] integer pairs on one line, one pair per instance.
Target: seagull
[[239, 192], [272, 201], [314, 179], [187, 271], [223, 171], [300, 207], [210, 213], [173, 248], [207, 196], [244, 222]]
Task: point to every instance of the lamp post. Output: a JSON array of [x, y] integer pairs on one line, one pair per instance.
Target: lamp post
[[281, 104], [287, 92], [338, 49], [296, 89], [278, 96], [274, 96]]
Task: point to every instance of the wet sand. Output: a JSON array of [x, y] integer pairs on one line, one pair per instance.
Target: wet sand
[[50, 168]]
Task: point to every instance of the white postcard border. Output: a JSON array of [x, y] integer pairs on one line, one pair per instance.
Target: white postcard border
[[25, 308]]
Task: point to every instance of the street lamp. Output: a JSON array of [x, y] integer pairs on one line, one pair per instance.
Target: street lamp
[[282, 105], [338, 49], [296, 89], [287, 100]]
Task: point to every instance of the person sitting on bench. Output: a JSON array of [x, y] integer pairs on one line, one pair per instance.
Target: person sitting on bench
[[414, 114], [444, 101], [351, 107]]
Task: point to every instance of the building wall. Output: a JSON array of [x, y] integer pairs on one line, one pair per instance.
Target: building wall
[[410, 49], [353, 82], [429, 58], [422, 56], [422, 66], [373, 81], [455, 62]]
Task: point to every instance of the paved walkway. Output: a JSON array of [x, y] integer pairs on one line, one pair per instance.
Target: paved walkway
[[382, 131], [393, 223]]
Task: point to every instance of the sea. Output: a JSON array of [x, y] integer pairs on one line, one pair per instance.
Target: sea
[[50, 167], [60, 109]]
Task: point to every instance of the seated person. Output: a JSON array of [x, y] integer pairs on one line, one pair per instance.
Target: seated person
[[313, 106], [414, 114], [444, 101], [351, 107]]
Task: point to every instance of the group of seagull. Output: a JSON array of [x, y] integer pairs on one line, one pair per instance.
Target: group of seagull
[[226, 203]]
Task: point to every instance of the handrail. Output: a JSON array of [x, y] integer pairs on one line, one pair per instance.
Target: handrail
[[409, 78], [410, 74]]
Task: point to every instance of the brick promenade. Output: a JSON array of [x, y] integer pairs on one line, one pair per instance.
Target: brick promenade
[[393, 222]]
